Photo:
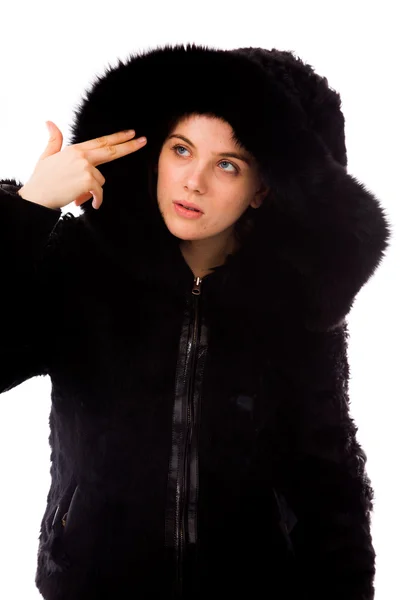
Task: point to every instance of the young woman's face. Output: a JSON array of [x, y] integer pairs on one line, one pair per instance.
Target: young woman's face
[[198, 169]]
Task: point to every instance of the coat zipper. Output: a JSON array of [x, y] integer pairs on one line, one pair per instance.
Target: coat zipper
[[193, 419], [187, 480]]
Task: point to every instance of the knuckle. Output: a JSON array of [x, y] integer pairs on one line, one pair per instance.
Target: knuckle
[[88, 180], [112, 150], [77, 151], [101, 141], [85, 164]]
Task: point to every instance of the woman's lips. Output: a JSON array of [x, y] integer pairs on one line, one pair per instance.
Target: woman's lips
[[185, 212], [187, 204]]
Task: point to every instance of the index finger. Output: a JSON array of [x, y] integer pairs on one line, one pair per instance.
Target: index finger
[[110, 147], [106, 140]]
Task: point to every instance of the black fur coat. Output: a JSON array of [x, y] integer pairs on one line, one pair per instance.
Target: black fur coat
[[202, 444]]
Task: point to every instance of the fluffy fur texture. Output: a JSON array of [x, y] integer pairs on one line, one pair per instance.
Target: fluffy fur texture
[[284, 498]]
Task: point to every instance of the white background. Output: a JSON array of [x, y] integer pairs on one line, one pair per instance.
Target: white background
[[51, 53]]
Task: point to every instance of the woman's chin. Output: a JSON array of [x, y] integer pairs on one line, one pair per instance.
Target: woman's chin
[[185, 231]]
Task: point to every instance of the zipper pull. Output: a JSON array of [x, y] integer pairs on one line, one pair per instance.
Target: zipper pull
[[196, 289]]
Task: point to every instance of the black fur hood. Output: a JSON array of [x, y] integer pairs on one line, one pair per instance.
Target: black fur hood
[[319, 235]]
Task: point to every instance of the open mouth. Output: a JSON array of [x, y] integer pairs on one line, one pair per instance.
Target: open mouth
[[188, 212], [188, 207]]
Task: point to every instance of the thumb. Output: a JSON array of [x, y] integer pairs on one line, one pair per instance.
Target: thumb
[[55, 140]]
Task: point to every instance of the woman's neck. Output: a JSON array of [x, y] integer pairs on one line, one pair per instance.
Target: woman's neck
[[202, 255]]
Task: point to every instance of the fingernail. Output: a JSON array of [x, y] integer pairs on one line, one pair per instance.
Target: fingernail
[[141, 140]]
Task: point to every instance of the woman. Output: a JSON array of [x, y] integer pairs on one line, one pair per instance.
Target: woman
[[200, 429]]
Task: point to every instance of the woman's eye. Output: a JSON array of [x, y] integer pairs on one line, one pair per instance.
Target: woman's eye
[[229, 163], [177, 146]]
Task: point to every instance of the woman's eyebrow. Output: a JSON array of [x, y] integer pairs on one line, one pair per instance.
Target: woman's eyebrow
[[231, 154]]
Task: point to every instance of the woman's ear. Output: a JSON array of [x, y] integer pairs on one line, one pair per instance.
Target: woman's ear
[[259, 197]]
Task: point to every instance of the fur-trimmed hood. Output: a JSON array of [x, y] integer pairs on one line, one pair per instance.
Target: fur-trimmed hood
[[319, 235]]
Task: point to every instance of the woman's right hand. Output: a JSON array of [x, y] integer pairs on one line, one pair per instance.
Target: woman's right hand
[[69, 176]]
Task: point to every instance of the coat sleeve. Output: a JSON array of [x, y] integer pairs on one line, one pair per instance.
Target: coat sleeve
[[27, 305], [322, 476]]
